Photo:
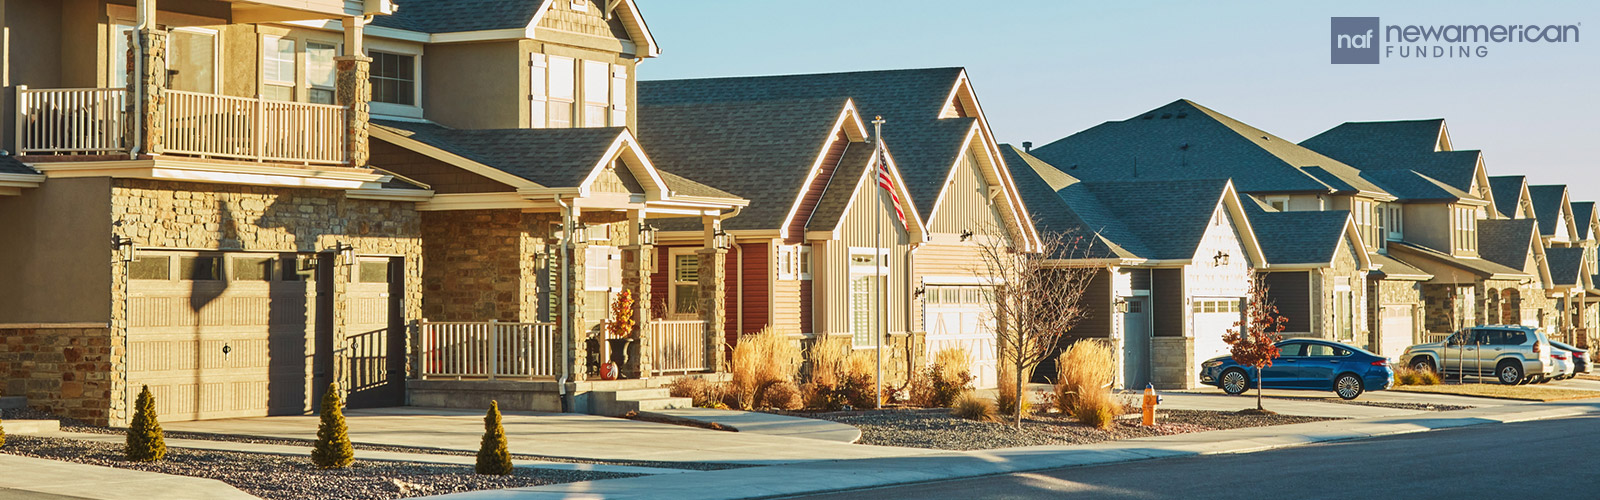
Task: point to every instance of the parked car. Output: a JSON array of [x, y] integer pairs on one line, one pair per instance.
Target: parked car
[[1560, 365], [1513, 354], [1306, 364], [1580, 357]]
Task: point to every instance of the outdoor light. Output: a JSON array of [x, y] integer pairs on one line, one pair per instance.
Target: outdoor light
[[579, 231], [1122, 305], [921, 289], [719, 240], [345, 251], [124, 247], [966, 234], [1221, 259], [647, 235]]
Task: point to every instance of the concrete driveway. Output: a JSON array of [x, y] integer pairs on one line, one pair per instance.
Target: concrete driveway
[[553, 435]]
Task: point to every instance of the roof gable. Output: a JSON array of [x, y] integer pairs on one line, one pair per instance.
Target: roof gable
[[1584, 217], [1551, 208], [519, 19], [1510, 194], [1300, 237], [1566, 266], [1508, 242], [1409, 137]]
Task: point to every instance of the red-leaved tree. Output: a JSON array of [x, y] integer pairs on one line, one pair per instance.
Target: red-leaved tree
[[1257, 344]]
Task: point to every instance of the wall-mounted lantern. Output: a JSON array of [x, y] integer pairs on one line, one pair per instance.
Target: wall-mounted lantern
[[123, 246], [647, 234], [1221, 259], [966, 234], [720, 240]]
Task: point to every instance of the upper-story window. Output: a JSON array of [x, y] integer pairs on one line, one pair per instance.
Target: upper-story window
[[1279, 203], [192, 60], [1394, 222], [278, 68], [596, 93], [1466, 228], [321, 72], [394, 78], [557, 86]]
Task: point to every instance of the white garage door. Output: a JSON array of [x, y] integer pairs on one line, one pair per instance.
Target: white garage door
[[1213, 318], [1394, 331], [186, 308], [957, 316]]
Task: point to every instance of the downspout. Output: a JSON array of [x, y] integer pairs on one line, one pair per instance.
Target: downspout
[[566, 295], [739, 277], [139, 87]]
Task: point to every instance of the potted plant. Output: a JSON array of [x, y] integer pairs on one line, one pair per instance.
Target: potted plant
[[620, 329]]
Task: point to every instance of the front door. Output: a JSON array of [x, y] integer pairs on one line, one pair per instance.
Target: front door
[[1136, 344], [375, 336]]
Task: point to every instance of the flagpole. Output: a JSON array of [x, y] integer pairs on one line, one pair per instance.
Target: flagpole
[[877, 154]]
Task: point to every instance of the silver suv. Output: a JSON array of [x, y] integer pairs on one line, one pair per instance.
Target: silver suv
[[1513, 354]]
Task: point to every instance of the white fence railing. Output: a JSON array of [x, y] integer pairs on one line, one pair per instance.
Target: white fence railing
[[71, 121], [489, 350], [677, 346], [254, 129]]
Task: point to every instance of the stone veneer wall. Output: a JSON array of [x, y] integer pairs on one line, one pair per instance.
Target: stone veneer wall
[[194, 216], [65, 369], [1173, 359]]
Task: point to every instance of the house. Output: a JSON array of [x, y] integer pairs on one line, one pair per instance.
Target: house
[[200, 231], [806, 264], [1588, 222], [1308, 254], [1551, 207], [1176, 256]]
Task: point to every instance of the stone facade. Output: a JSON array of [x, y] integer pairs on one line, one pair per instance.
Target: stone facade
[[192, 216], [714, 305], [64, 369], [354, 91], [148, 52], [1172, 360]]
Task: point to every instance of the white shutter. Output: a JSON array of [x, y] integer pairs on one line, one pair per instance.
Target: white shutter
[[597, 268], [614, 264], [538, 94], [619, 95]]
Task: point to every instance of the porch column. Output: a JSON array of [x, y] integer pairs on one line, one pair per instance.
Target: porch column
[[713, 289], [355, 92], [575, 324], [636, 279], [147, 82]]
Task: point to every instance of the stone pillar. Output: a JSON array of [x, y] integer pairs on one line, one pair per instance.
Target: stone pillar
[[147, 86], [574, 325], [636, 257], [713, 304], [355, 93]]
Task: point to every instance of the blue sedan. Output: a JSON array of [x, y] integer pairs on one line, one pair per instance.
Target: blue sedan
[[1306, 364]]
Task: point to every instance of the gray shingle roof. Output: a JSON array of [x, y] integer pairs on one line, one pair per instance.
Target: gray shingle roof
[[11, 165], [760, 151], [1478, 266], [1403, 137], [1037, 183], [1582, 214], [1168, 217], [836, 197], [1565, 264], [909, 100], [1547, 205], [1393, 268], [451, 16], [1507, 190], [1183, 140], [1409, 185], [1506, 241], [552, 158], [1302, 237], [680, 185]]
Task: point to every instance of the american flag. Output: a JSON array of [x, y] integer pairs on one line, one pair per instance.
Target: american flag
[[886, 181]]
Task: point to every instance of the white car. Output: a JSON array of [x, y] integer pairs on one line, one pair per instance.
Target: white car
[[1561, 364]]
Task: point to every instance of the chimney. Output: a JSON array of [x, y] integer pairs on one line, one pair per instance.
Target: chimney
[[1027, 146]]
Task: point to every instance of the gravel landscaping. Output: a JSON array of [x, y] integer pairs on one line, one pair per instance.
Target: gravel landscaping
[[277, 476], [937, 429], [1381, 404]]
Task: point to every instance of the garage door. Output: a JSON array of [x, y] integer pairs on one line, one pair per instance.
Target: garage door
[[957, 316], [1394, 331], [222, 335], [1213, 318]]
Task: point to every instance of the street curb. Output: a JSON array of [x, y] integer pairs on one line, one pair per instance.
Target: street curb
[[811, 478]]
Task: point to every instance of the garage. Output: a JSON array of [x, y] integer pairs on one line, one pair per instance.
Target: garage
[[1213, 318], [220, 335], [1395, 330], [959, 317]]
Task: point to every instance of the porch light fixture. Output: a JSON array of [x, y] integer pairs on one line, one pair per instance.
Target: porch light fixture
[[720, 241], [921, 290], [579, 231], [346, 252], [1121, 305], [647, 235], [1221, 259], [966, 234], [124, 247]]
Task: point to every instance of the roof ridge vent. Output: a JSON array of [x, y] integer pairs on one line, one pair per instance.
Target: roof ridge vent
[[1166, 116]]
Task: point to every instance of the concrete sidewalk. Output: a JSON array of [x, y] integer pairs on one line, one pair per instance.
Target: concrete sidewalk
[[26, 477], [756, 422], [826, 476]]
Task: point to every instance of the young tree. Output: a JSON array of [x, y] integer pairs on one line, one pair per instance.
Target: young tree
[[1037, 298], [145, 443], [333, 450], [1257, 344], [493, 457]]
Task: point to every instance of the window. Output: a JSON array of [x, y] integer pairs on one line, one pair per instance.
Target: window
[[252, 269], [119, 54], [277, 68], [1292, 349], [685, 283], [150, 267], [1395, 222], [393, 78], [863, 309], [1465, 231], [563, 79], [374, 271], [596, 93], [1279, 203], [805, 262], [192, 60], [321, 72], [1326, 351], [297, 267], [1344, 314], [205, 268]]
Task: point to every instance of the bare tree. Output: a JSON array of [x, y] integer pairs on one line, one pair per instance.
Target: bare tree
[[1037, 298]]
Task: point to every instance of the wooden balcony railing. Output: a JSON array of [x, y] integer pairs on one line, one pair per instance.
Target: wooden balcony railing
[[258, 129], [489, 350], [71, 121], [677, 346]]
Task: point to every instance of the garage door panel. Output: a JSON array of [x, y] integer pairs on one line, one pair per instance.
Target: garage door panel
[[956, 317], [1395, 330], [1212, 318]]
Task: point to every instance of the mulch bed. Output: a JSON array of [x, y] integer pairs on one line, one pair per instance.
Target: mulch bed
[[936, 429], [277, 476]]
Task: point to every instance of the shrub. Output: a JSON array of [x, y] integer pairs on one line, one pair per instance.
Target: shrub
[[145, 443], [2, 434], [944, 380], [858, 382], [973, 407], [827, 359], [1006, 396], [1405, 375], [493, 457], [782, 396], [760, 361], [705, 393], [1085, 366], [1097, 409], [332, 450]]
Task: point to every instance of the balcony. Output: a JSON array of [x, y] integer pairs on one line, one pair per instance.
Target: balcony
[[96, 121]]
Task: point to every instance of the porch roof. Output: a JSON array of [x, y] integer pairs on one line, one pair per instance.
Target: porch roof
[[1477, 267], [11, 165], [1393, 268], [553, 158]]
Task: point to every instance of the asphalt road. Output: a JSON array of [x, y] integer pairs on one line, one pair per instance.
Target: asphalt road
[[1541, 459]]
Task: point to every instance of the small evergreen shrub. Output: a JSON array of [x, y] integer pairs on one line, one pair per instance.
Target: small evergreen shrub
[[333, 449], [493, 457], [145, 443], [973, 407]]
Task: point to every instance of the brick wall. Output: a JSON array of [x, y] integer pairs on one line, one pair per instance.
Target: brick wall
[[63, 369]]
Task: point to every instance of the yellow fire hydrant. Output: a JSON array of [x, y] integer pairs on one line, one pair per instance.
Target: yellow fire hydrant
[[1150, 401]]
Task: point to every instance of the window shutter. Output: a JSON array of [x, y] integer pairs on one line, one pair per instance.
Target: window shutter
[[538, 95], [619, 95]]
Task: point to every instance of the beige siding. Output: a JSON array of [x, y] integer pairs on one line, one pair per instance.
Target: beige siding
[[473, 85], [1428, 224], [786, 306], [857, 230], [965, 203]]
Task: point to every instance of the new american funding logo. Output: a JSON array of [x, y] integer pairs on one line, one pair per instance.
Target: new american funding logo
[[1365, 40]]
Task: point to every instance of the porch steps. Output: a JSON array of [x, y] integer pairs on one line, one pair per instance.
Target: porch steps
[[20, 427], [619, 402]]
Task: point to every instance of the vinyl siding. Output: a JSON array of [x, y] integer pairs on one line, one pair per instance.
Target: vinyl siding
[[808, 202], [1167, 298], [857, 230], [965, 205]]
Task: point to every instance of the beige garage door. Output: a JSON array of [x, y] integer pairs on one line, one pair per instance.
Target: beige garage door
[[956, 316], [187, 308], [1213, 318], [1394, 331]]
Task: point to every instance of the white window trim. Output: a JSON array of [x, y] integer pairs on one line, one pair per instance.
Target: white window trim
[[672, 277], [216, 53], [580, 5], [305, 66], [805, 265], [784, 262], [882, 264], [1278, 199], [400, 110]]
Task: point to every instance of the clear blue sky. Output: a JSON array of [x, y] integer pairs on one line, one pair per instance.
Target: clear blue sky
[[1045, 69]]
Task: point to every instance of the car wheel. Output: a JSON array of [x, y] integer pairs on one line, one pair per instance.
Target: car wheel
[[1509, 373], [1348, 386], [1235, 382], [1422, 365]]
